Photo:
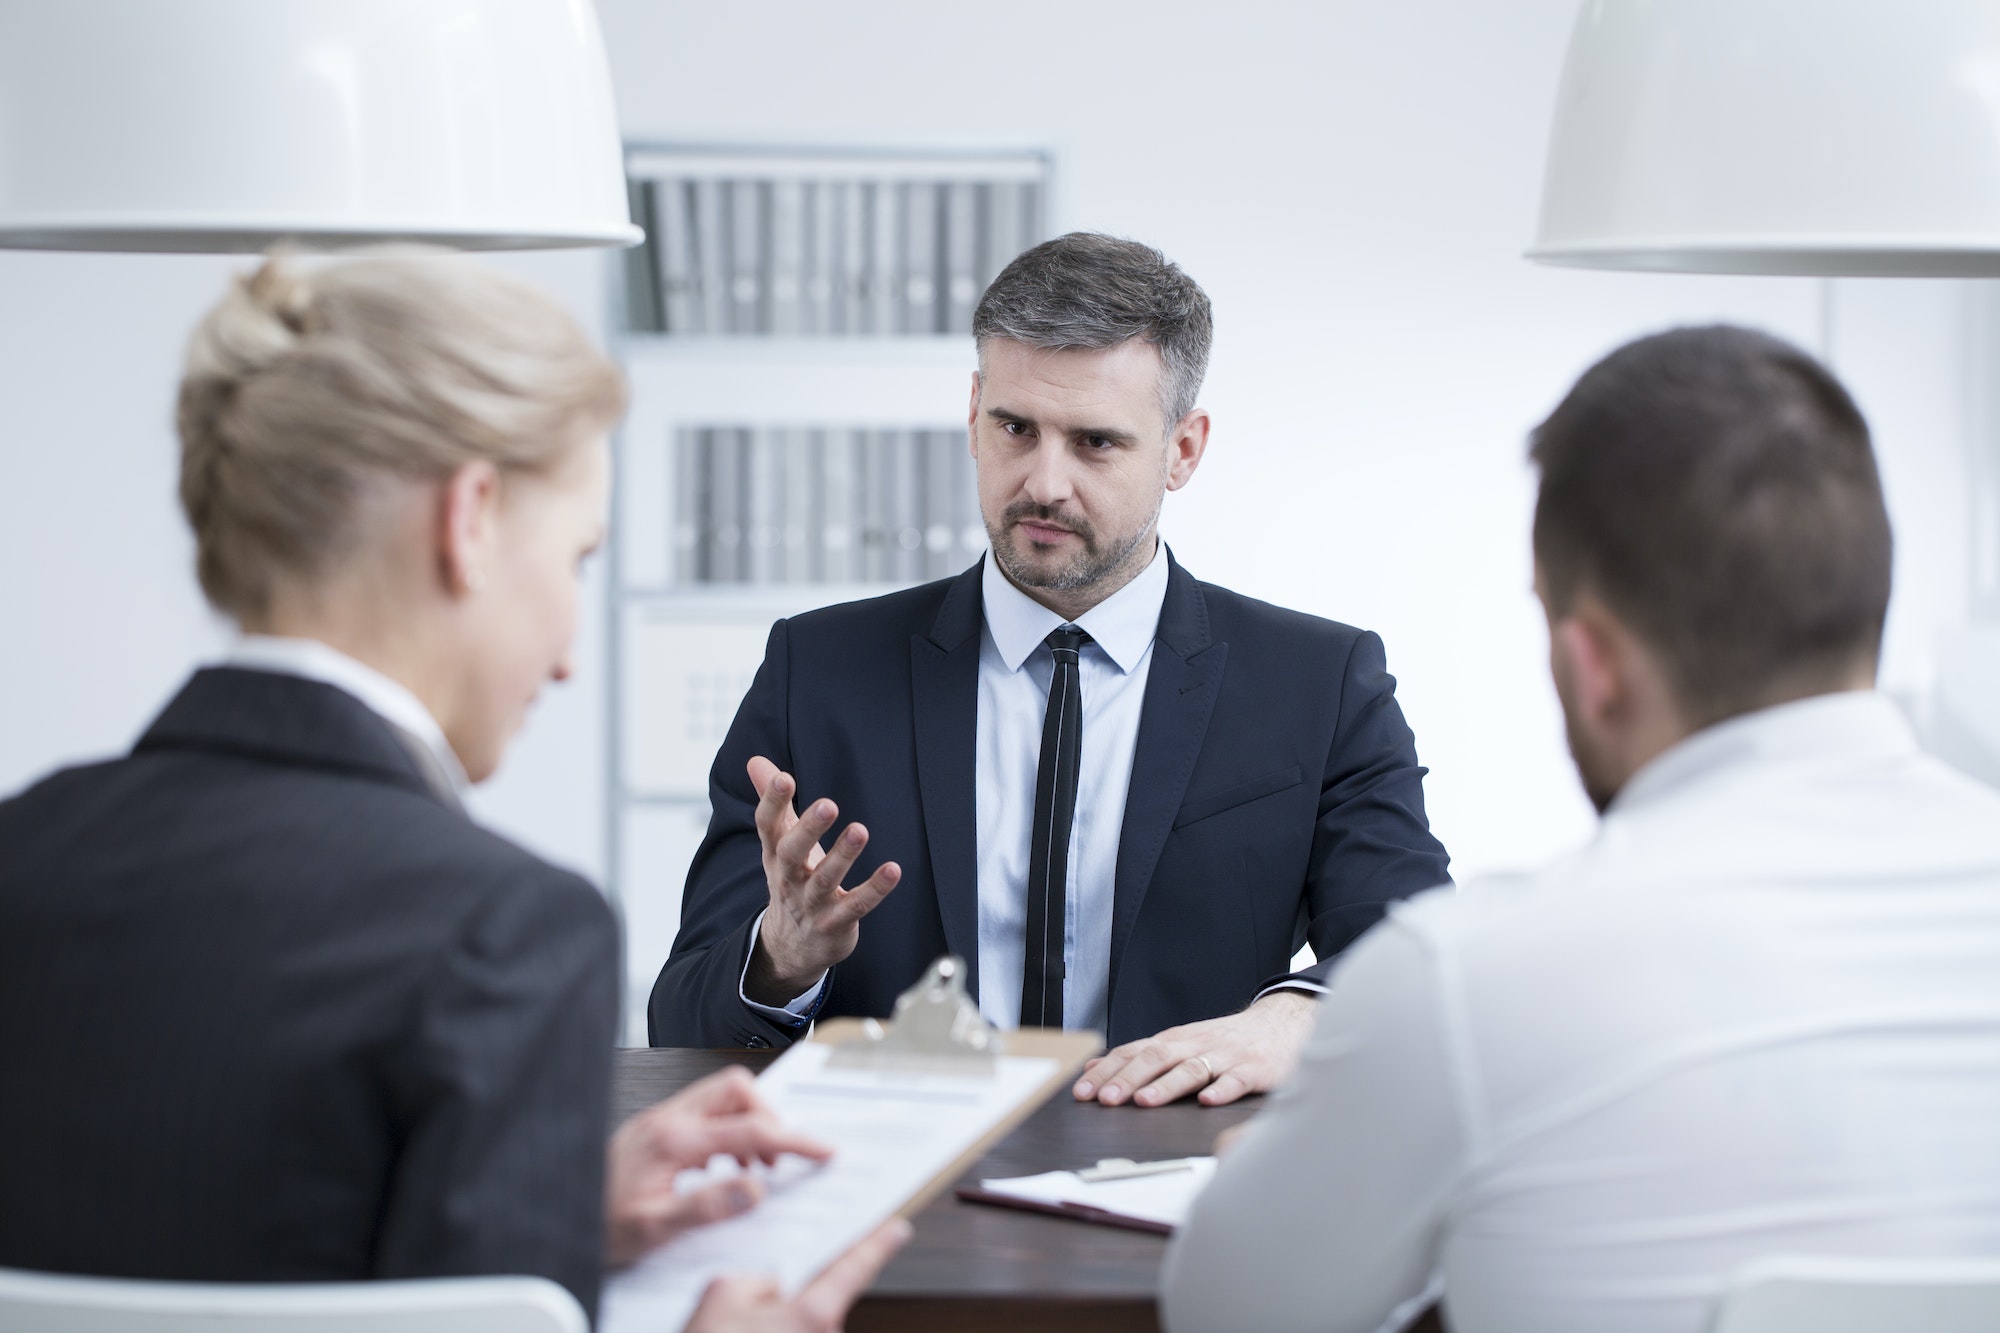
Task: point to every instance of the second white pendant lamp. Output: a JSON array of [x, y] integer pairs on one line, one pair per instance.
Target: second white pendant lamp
[[161, 125], [1831, 137]]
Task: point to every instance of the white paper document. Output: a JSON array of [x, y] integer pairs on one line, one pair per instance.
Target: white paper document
[[891, 1132], [1163, 1199]]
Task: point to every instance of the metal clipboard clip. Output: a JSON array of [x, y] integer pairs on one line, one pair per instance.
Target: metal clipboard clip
[[936, 1029]]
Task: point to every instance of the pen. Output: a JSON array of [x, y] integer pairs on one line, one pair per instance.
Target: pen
[[1124, 1168]]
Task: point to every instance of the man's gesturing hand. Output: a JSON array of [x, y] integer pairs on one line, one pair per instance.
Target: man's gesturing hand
[[812, 922], [720, 1114], [1222, 1058]]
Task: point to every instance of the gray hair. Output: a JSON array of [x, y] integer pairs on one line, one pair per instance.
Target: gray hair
[[1089, 290]]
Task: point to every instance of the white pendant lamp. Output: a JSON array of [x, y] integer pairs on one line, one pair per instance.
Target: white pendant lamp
[[1832, 137], [232, 125]]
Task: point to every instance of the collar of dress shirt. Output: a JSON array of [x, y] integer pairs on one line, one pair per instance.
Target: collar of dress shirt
[[1848, 724], [388, 699], [1122, 624]]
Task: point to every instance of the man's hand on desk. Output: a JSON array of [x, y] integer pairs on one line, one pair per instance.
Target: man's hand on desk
[[756, 1305], [720, 1114], [1221, 1059], [812, 922]]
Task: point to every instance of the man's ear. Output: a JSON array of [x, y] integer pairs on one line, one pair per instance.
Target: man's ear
[[1185, 445], [1588, 661], [468, 519]]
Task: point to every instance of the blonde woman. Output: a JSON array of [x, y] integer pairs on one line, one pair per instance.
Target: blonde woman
[[273, 1008]]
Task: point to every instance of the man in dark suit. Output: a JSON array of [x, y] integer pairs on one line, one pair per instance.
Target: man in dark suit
[[1126, 797]]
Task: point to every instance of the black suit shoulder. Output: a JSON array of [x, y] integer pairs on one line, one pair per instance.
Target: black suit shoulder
[[373, 1039], [874, 621], [332, 834], [1241, 619]]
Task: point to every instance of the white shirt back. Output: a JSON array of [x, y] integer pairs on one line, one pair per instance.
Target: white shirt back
[[1759, 1014]]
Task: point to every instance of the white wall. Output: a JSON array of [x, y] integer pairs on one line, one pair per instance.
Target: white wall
[[1353, 183], [98, 610]]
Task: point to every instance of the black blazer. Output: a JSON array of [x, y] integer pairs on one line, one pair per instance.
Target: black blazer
[[1275, 799], [271, 1009]]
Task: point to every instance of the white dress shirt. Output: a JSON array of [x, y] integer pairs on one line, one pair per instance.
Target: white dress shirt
[[1758, 1014], [1015, 668], [389, 700]]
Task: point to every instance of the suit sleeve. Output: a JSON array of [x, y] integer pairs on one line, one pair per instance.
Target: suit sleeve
[[698, 999], [1305, 1229], [500, 1092], [1372, 844]]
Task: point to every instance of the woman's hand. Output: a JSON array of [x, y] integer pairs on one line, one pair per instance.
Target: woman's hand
[[720, 1114], [755, 1305]]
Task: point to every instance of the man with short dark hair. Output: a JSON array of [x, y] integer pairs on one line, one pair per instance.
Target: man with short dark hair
[[1126, 798], [1758, 1015]]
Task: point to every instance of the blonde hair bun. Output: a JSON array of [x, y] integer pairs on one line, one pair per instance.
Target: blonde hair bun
[[259, 320], [308, 385]]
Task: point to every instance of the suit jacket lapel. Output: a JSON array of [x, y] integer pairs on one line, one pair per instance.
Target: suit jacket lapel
[[427, 763], [1181, 686], [280, 718], [944, 674]]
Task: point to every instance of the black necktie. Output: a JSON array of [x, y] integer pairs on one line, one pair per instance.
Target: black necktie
[[1048, 850]]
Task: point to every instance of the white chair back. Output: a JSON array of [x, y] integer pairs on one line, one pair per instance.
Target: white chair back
[[1802, 1295], [56, 1303]]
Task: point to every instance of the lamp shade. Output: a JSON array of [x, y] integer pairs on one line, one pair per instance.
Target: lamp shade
[[229, 125], [1778, 136]]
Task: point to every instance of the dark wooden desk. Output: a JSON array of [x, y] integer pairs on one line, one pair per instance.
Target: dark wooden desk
[[973, 1266]]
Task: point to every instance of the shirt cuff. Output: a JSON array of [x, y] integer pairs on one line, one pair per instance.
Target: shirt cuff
[[799, 1010], [1297, 985]]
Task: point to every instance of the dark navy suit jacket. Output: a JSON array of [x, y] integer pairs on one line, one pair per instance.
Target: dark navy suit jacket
[[1275, 799], [273, 1009]]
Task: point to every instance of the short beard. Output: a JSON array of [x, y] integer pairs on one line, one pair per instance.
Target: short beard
[[1088, 566]]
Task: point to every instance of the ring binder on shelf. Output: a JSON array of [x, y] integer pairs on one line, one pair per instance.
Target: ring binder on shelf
[[819, 245]]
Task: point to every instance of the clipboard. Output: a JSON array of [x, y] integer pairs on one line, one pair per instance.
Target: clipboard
[[909, 1105], [1155, 1204], [1076, 1212], [1068, 1049], [938, 1030]]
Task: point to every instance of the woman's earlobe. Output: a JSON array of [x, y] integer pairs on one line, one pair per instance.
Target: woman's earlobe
[[465, 518]]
